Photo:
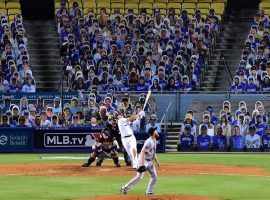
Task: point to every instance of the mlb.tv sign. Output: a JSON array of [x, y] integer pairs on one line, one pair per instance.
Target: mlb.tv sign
[[81, 140], [59, 140]]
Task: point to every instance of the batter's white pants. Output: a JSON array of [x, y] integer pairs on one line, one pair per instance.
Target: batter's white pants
[[130, 143]]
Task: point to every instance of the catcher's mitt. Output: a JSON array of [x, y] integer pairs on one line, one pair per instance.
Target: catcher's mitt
[[141, 169]]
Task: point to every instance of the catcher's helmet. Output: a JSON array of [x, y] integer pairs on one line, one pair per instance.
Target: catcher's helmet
[[106, 132]]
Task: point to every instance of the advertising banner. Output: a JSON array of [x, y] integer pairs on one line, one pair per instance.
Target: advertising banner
[[64, 139], [12, 140], [36, 95]]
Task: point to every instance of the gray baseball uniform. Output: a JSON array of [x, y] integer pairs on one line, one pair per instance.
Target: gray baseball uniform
[[149, 148]]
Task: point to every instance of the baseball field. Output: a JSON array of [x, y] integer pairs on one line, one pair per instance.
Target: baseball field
[[181, 176]]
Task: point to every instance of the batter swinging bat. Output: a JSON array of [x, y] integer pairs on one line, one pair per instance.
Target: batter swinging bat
[[146, 98]]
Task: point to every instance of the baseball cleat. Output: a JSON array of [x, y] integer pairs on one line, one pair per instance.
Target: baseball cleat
[[85, 165], [149, 194], [123, 191], [128, 164]]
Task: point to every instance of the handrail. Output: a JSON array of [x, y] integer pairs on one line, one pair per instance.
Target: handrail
[[165, 117], [165, 112], [228, 71]]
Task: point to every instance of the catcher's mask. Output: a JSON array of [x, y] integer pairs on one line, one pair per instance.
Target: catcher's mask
[[105, 133]]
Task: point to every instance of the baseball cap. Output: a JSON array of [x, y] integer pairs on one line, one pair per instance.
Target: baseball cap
[[151, 130], [204, 126], [153, 117], [188, 116], [187, 127], [252, 126]]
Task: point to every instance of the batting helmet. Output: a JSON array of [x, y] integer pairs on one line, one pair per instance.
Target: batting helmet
[[120, 112]]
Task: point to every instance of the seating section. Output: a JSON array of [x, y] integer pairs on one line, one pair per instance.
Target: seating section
[[136, 45], [164, 5], [48, 112], [16, 73], [253, 74], [244, 129]]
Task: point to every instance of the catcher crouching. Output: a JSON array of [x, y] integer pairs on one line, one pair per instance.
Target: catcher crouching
[[105, 147]]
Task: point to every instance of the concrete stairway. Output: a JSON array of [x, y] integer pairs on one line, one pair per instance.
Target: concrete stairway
[[234, 33], [44, 54], [172, 137]]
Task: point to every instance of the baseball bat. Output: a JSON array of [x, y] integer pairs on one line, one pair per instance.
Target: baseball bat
[[146, 98]]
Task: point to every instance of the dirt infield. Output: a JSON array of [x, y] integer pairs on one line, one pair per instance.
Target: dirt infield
[[108, 169], [154, 197]]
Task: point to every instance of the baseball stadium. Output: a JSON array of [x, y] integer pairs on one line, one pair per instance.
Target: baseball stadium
[[135, 99]]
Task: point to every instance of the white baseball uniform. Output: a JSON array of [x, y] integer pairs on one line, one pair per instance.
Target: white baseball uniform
[[149, 148], [253, 142], [128, 139]]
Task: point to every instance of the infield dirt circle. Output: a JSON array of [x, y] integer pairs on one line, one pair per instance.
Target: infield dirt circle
[[108, 169]]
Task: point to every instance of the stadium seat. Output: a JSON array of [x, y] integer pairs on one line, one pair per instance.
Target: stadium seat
[[188, 6], [190, 12], [146, 1], [264, 5], [218, 6], [205, 1], [121, 6], [161, 1], [147, 6], [219, 11], [133, 6], [11, 18], [14, 11], [220, 1], [162, 7], [89, 4], [12, 1], [176, 1], [204, 11], [3, 11], [2, 5], [267, 12], [13, 5], [117, 1], [203, 5], [176, 6], [133, 1], [103, 1], [190, 1]]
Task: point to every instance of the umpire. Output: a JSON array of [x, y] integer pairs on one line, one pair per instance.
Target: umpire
[[114, 129]]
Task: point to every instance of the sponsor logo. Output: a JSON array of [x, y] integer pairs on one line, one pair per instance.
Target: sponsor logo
[[3, 140], [69, 139], [14, 140]]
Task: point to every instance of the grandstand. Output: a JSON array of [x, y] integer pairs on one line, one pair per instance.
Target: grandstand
[[108, 53]]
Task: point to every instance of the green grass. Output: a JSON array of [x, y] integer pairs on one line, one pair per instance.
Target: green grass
[[63, 188], [256, 160]]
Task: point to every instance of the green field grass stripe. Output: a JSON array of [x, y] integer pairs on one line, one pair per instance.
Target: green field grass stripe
[[64, 188]]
